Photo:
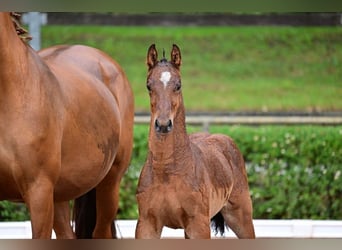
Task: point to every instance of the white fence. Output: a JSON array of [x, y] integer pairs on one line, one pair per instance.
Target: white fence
[[263, 229], [206, 120]]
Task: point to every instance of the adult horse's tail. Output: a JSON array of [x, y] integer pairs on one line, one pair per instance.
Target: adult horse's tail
[[218, 224], [85, 215]]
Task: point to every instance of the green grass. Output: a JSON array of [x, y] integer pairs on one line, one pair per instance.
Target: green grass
[[228, 68]]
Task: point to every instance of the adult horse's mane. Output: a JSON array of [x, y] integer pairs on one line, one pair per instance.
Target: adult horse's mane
[[50, 152], [21, 31]]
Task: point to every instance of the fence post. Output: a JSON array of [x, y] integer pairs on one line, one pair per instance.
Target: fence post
[[34, 20]]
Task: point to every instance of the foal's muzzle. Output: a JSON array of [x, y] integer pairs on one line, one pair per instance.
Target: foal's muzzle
[[163, 126]]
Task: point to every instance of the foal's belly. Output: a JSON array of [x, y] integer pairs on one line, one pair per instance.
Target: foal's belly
[[218, 199]]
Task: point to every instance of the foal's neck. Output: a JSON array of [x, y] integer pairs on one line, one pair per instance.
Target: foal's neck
[[173, 148]]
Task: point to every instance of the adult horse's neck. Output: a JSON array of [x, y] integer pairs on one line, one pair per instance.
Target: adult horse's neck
[[169, 151], [13, 54]]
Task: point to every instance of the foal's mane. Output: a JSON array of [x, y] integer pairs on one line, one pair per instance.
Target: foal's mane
[[163, 60], [21, 31]]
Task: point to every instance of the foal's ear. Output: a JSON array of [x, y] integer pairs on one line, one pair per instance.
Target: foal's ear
[[152, 56], [176, 58]]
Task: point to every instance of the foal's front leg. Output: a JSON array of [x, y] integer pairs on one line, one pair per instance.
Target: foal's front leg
[[198, 228], [147, 229]]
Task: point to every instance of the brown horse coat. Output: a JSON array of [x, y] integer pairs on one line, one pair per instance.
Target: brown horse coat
[[66, 127], [187, 180]]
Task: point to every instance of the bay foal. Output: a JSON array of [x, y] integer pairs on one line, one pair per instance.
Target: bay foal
[[187, 180]]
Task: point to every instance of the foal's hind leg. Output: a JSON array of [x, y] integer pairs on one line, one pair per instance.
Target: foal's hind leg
[[238, 216]]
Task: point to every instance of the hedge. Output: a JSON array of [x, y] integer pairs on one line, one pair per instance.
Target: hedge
[[294, 172]]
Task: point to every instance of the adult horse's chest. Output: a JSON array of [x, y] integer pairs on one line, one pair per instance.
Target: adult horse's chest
[[8, 191]]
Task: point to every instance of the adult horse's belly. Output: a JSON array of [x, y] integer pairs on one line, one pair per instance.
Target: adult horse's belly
[[85, 162], [90, 138]]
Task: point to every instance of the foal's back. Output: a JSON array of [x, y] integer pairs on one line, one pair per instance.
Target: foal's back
[[217, 145], [221, 158]]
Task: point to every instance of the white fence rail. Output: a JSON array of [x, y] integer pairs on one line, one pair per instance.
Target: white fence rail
[[263, 229], [206, 120]]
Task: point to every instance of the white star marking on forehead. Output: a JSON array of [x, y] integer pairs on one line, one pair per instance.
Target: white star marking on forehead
[[165, 77]]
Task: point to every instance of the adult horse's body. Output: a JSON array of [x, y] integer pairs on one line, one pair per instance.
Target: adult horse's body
[[66, 128], [187, 180]]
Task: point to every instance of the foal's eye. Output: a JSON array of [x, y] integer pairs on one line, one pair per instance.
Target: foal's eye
[[177, 87], [148, 88]]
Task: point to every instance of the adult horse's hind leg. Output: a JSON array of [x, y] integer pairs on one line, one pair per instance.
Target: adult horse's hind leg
[[107, 200], [107, 193], [238, 215], [61, 223]]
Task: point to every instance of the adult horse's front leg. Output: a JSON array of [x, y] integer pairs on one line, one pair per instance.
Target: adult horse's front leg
[[61, 223], [39, 199]]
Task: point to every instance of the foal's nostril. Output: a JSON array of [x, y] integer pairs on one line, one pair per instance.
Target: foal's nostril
[[157, 125], [163, 127], [169, 125]]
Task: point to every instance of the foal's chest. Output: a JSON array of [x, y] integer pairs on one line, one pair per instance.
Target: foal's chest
[[172, 203]]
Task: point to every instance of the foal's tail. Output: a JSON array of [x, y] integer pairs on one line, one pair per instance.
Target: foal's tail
[[85, 215], [218, 224]]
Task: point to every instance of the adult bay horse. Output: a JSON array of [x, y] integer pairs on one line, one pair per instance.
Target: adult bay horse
[[187, 180], [66, 128]]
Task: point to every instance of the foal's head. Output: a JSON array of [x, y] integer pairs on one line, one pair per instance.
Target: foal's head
[[164, 87]]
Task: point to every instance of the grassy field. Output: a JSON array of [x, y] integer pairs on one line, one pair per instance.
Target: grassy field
[[228, 68]]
